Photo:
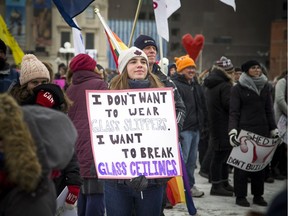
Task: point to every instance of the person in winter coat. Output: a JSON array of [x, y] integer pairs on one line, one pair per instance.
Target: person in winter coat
[[193, 98], [8, 75], [149, 47], [121, 197], [217, 94], [279, 161], [251, 109], [33, 73], [29, 155], [52, 96], [31, 91], [85, 76]]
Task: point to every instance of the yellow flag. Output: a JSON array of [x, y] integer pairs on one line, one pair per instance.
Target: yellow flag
[[9, 40]]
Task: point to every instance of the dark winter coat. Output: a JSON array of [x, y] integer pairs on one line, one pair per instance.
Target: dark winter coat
[[193, 98], [70, 175], [41, 202], [250, 111], [217, 94], [8, 77], [179, 104], [54, 150], [82, 81]]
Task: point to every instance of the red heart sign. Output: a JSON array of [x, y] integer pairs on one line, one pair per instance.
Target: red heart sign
[[193, 46]]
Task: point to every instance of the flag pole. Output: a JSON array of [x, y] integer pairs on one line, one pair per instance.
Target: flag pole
[[108, 30], [135, 21], [161, 52]]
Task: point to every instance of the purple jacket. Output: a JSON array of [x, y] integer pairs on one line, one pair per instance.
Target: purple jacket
[[83, 80]]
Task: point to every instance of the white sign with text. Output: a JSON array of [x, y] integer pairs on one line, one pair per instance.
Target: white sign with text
[[254, 152], [134, 132]]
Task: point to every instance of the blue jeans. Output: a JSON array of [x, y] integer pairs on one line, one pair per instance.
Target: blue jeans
[[91, 204], [121, 200], [189, 144]]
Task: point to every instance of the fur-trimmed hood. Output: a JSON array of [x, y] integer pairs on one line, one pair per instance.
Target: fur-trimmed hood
[[20, 158]]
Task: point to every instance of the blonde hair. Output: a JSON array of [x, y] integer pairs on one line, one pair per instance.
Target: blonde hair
[[121, 81]]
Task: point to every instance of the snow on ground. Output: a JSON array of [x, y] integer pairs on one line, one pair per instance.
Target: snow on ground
[[224, 206]]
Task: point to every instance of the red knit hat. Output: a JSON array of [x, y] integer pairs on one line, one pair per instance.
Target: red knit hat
[[82, 62]]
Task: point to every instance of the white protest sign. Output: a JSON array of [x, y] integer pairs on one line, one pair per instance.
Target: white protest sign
[[134, 132], [282, 127], [254, 152], [61, 209]]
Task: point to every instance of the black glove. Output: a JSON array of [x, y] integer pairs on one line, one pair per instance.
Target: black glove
[[234, 142], [139, 183]]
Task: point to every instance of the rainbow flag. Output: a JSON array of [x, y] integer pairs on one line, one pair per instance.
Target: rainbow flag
[[114, 50], [175, 190], [178, 189], [9, 40], [115, 43]]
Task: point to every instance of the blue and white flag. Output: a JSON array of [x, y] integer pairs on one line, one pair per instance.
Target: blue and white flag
[[77, 40], [71, 8]]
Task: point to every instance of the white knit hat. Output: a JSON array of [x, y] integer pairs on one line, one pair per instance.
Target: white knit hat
[[126, 55], [32, 68]]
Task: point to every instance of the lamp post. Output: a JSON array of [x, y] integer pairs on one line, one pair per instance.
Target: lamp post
[[67, 51]]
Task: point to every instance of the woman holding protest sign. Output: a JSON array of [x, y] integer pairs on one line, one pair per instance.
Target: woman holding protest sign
[[251, 109], [138, 195]]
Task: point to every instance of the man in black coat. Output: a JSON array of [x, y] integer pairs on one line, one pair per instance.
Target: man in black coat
[[193, 97]]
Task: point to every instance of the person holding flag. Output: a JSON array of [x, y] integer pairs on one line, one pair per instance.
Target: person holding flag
[[149, 47]]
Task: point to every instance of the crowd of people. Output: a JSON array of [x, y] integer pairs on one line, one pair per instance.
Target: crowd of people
[[45, 142]]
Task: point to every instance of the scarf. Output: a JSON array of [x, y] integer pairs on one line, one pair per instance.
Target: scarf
[[138, 84], [256, 84]]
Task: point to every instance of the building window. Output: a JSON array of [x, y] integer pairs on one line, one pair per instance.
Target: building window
[[146, 2], [175, 17], [174, 46], [284, 10], [89, 41], [175, 31], [151, 16], [90, 14], [65, 37], [142, 16], [222, 40]]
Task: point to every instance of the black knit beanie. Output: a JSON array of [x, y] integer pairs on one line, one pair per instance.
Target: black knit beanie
[[143, 41], [247, 65]]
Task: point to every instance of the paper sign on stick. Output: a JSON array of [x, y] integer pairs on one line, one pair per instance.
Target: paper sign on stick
[[134, 132], [61, 210], [254, 152]]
